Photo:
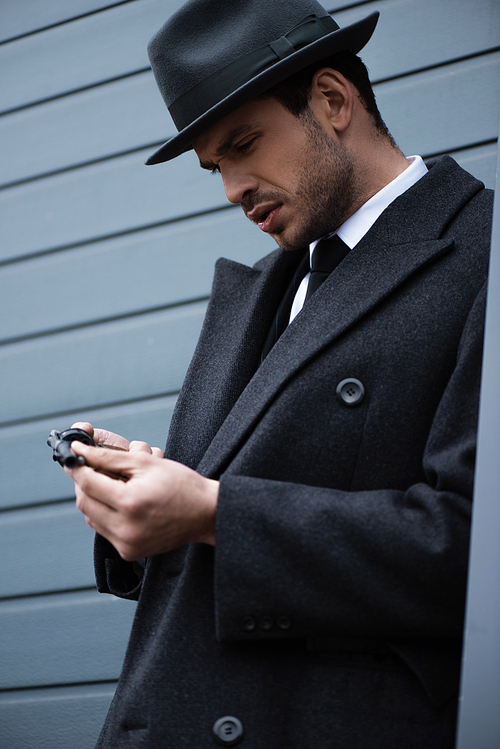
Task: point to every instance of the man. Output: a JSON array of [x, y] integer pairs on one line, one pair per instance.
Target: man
[[300, 557]]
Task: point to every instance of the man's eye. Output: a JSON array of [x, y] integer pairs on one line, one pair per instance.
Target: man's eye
[[242, 147]]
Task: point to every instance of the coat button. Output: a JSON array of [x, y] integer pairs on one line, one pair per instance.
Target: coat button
[[284, 622], [350, 392], [266, 623], [248, 624], [228, 730]]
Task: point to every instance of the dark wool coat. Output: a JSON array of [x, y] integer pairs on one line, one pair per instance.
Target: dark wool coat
[[330, 613]]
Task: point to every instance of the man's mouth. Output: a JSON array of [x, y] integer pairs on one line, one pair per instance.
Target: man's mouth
[[265, 216]]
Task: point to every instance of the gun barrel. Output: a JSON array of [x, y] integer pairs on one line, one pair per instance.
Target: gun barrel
[[66, 457]]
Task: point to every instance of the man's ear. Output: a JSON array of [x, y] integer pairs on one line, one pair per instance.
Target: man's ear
[[332, 98]]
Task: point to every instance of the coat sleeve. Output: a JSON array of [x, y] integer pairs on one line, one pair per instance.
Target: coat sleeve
[[300, 561], [113, 574]]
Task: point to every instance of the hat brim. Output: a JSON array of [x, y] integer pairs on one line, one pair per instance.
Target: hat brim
[[353, 38]]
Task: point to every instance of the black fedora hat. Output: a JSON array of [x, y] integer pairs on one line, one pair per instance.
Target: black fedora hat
[[212, 56]]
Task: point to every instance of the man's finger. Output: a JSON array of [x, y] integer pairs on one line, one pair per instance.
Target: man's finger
[[99, 516], [140, 447], [116, 464], [103, 436], [110, 439], [108, 522], [95, 485], [85, 426]]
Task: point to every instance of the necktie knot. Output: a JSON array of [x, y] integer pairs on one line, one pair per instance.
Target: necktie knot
[[327, 254]]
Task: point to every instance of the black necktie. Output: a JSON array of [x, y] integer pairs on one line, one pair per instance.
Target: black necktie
[[327, 254], [282, 316]]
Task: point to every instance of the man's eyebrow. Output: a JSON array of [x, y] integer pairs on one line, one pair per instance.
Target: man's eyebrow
[[233, 135], [227, 142]]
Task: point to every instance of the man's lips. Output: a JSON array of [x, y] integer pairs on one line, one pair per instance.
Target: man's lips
[[265, 215]]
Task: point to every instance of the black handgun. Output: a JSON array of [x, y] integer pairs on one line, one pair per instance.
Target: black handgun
[[60, 442], [61, 451]]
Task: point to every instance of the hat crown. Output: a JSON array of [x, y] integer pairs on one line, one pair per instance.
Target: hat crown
[[212, 56], [204, 36]]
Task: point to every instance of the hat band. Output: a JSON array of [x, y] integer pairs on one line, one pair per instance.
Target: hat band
[[210, 91]]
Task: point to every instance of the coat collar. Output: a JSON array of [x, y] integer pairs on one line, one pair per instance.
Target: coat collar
[[233, 400]]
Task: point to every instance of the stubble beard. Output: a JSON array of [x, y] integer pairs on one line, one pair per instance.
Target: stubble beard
[[326, 193]]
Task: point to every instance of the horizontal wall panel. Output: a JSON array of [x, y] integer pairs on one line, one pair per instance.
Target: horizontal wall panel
[[118, 361], [168, 264], [481, 162], [101, 199], [98, 47], [113, 43], [63, 639], [26, 444], [413, 34], [427, 113], [54, 718], [18, 17], [45, 549], [432, 112], [113, 118]]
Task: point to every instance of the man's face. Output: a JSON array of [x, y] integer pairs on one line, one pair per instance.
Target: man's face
[[289, 174]]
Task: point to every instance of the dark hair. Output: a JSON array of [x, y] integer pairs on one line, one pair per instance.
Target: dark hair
[[294, 92]]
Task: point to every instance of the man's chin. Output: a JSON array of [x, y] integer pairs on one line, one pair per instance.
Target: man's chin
[[289, 245], [284, 242]]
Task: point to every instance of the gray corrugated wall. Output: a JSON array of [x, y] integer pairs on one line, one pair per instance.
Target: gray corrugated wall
[[105, 269]]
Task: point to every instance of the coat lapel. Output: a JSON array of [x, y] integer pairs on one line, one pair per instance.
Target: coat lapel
[[384, 259], [239, 313]]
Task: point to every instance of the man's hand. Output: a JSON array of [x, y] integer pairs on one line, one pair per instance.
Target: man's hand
[[161, 506]]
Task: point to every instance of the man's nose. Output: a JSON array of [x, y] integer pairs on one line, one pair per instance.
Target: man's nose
[[237, 184]]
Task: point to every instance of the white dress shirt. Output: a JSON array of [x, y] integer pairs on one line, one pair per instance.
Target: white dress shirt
[[357, 225]]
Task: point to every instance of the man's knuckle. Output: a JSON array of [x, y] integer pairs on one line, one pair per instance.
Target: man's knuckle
[[139, 446], [84, 482], [130, 507]]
